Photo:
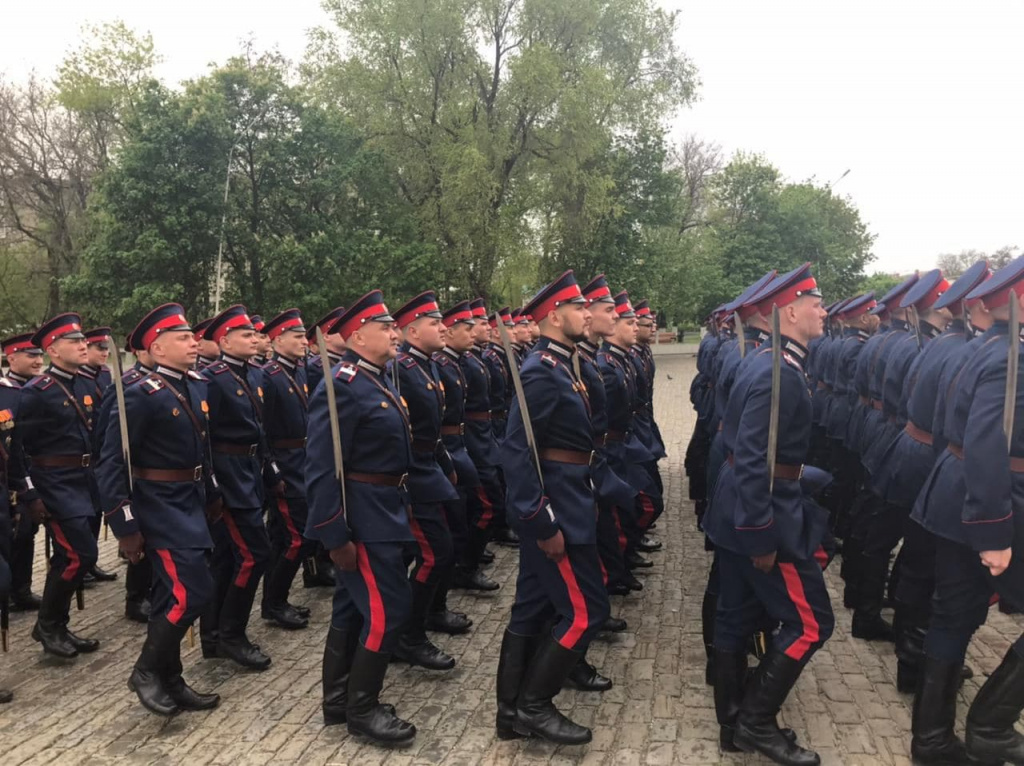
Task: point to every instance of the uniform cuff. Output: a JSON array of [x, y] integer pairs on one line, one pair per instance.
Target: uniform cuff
[[334, 532], [540, 524], [758, 541], [122, 521], [989, 535]]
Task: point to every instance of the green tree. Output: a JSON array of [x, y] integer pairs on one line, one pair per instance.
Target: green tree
[[879, 282]]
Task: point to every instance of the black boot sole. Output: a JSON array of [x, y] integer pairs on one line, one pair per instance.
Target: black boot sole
[[155, 711]]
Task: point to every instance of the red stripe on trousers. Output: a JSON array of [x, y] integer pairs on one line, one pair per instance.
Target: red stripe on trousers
[[177, 588], [795, 588], [618, 528], [294, 538], [248, 562], [821, 557], [647, 514], [426, 552], [74, 562], [378, 619], [604, 572], [579, 605], [485, 517]]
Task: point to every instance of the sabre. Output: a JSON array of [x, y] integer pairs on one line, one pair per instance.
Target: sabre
[[1012, 360], [740, 334], [773, 416], [917, 326], [126, 449], [332, 409], [524, 411]]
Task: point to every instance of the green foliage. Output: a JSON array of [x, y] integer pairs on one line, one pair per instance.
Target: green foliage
[[879, 282]]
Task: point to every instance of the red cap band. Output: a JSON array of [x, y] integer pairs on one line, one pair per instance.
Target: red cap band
[[364, 316], [554, 301], [929, 300], [458, 316], [242, 320], [285, 325], [59, 331], [596, 294], [407, 319], [787, 296], [176, 320], [21, 345]]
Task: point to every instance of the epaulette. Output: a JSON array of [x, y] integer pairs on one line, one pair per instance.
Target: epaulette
[[218, 368], [6, 383], [272, 367], [346, 372], [407, 361], [193, 375], [151, 385], [791, 361], [443, 360], [549, 359], [130, 376], [42, 382]]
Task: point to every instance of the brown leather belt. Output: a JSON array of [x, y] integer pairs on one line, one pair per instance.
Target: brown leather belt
[[782, 470], [876, 405], [168, 474], [918, 434], [571, 456], [478, 416], [380, 479], [458, 430], [62, 461], [1016, 463], [611, 437], [424, 446], [289, 443], [226, 448]]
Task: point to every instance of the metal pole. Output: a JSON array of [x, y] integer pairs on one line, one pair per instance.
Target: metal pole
[[223, 225]]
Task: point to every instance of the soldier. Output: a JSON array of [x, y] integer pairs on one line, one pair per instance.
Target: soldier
[[317, 569], [968, 502], [431, 475], [138, 574], [459, 324], [363, 524], [56, 411], [501, 396], [767, 530], [158, 505], [245, 470], [552, 506], [263, 346], [209, 352], [488, 498], [285, 402], [24, 361]]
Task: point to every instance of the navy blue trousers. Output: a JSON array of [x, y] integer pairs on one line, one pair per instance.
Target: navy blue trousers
[[286, 518], [376, 596], [793, 594], [182, 584], [74, 547], [963, 593], [571, 591], [435, 552]]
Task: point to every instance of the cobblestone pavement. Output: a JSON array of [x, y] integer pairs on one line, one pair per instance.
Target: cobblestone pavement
[[659, 712]]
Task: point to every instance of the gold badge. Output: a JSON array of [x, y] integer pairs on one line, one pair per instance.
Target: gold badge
[[175, 412], [88, 400], [430, 386], [259, 391], [404, 403], [290, 390], [67, 403], [239, 392], [305, 388], [383, 405], [204, 406], [442, 387]]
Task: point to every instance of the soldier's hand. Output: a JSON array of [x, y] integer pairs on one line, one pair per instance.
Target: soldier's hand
[[345, 557], [38, 511], [996, 561], [765, 563], [554, 546], [133, 547], [215, 510]]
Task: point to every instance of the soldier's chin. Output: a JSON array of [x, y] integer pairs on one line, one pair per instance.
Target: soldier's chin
[[577, 337]]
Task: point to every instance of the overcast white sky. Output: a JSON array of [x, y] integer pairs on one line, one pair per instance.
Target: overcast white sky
[[921, 101]]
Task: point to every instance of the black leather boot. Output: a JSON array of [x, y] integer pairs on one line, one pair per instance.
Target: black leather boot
[[442, 619], [276, 586], [730, 676], [49, 629], [338, 654], [991, 735], [414, 647], [24, 600], [316, 574], [147, 678], [515, 656], [708, 609], [6, 695], [934, 741], [586, 678], [184, 696], [365, 715], [137, 611], [102, 575], [868, 624], [233, 644], [506, 536], [635, 561], [535, 712], [615, 625], [648, 544], [756, 727], [631, 582], [474, 579], [909, 625]]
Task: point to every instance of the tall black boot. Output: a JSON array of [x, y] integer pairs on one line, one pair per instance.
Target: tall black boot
[[50, 629], [365, 715], [442, 619], [708, 609], [147, 678], [276, 585], [997, 707], [413, 646], [756, 727], [934, 741], [535, 712], [729, 681], [867, 618], [586, 677], [317, 573], [234, 618], [467, 571], [910, 626], [338, 654], [515, 656], [137, 580], [184, 696]]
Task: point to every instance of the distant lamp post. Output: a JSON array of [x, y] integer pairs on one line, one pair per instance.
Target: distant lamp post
[[844, 175]]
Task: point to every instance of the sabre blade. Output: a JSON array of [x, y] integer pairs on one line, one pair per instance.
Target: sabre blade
[[332, 409], [126, 449], [740, 335], [1012, 361], [773, 415], [524, 411]]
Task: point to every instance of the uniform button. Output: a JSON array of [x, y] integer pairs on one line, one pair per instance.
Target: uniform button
[[384, 405]]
